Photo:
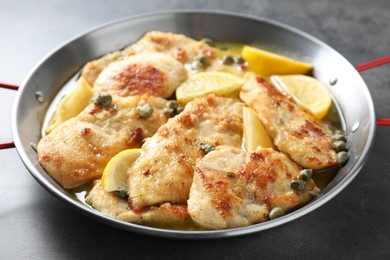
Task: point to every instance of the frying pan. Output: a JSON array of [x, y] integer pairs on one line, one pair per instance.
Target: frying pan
[[349, 92]]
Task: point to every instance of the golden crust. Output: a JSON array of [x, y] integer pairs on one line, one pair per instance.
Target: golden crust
[[111, 205], [294, 131], [233, 188], [178, 46], [164, 170], [154, 74], [78, 150]]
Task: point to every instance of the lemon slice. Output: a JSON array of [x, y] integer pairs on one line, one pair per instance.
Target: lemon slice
[[307, 91], [268, 63], [115, 174], [204, 83], [72, 104], [254, 132]]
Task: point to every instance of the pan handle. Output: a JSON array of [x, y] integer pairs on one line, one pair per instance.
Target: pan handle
[[9, 86], [7, 145], [361, 67], [370, 65], [10, 144], [373, 64]]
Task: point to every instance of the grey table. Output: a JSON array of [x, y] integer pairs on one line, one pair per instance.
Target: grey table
[[354, 225]]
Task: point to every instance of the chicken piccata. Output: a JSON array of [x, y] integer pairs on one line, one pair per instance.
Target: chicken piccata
[[193, 170]]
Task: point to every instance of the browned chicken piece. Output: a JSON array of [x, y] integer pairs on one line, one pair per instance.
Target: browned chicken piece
[[178, 46], [78, 150], [155, 74], [232, 188], [92, 69], [164, 170], [164, 216], [294, 131]]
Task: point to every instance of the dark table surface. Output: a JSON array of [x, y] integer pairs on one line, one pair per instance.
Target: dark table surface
[[354, 225]]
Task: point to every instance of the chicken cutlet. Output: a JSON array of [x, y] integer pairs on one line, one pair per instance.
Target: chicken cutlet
[[178, 46], [78, 150], [166, 215], [164, 170], [155, 74], [294, 130], [233, 188]]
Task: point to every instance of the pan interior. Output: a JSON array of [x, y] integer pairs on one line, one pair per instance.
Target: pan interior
[[49, 76]]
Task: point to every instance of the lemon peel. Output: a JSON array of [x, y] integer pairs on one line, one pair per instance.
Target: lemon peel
[[255, 134], [268, 63], [114, 176], [72, 104], [204, 83], [307, 91]]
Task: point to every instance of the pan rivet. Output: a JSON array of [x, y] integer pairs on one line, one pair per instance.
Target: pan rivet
[[333, 81], [355, 127], [39, 97]]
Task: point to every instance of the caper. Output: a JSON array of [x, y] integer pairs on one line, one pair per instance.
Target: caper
[[179, 110], [239, 60], [173, 104], [145, 110], [169, 111], [305, 174], [339, 146], [342, 157], [208, 41], [338, 136], [207, 147], [121, 193], [276, 212], [227, 60], [197, 65], [172, 108], [102, 100], [106, 100], [297, 185], [315, 192], [204, 60]]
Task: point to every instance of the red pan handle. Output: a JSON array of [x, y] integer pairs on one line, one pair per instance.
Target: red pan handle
[[13, 87], [7, 145], [362, 67], [370, 65], [373, 64], [9, 86]]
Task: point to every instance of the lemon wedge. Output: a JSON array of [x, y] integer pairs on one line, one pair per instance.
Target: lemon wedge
[[254, 132], [307, 91], [115, 174], [267, 63], [204, 83], [72, 104]]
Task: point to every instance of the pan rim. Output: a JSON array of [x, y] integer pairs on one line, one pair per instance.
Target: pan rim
[[21, 147]]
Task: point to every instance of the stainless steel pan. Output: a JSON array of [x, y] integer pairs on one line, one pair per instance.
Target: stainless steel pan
[[349, 92]]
